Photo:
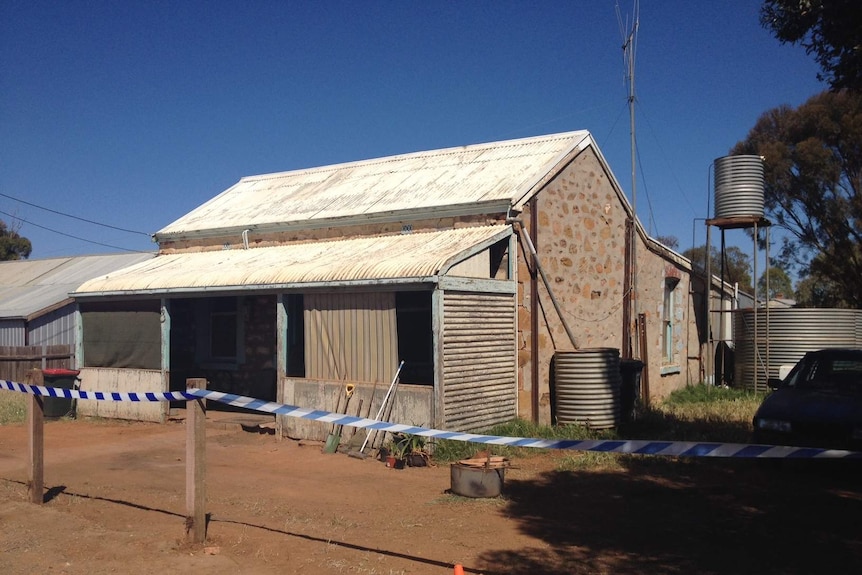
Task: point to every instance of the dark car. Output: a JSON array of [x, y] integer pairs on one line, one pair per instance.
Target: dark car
[[818, 404]]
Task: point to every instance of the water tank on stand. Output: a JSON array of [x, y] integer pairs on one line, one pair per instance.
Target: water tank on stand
[[738, 186]]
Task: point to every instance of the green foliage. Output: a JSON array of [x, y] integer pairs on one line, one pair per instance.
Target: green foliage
[[709, 394], [403, 444], [779, 284], [831, 30], [736, 264], [448, 450], [813, 180], [695, 413], [13, 246], [817, 291]]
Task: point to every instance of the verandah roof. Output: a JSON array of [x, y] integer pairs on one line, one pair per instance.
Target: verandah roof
[[357, 261]]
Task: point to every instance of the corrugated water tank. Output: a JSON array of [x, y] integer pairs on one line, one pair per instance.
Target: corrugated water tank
[[791, 333], [738, 186], [588, 385]]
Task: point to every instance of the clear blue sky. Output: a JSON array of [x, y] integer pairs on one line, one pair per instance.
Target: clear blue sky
[[133, 113]]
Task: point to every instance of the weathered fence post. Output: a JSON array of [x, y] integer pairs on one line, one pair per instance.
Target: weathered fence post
[[36, 440], [196, 525]]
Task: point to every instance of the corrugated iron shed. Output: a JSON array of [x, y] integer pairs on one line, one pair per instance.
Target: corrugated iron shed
[[354, 261], [468, 178], [29, 288]]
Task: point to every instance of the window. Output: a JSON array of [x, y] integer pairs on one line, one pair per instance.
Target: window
[[667, 319], [220, 332], [415, 336], [295, 335]]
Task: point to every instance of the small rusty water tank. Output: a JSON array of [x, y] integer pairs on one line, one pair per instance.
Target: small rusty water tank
[[738, 186], [588, 386]]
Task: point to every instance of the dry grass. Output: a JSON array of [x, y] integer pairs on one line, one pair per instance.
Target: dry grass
[[13, 407], [695, 413]]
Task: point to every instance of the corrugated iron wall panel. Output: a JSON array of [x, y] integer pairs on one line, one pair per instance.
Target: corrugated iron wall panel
[[351, 337], [479, 363], [12, 332], [54, 328]]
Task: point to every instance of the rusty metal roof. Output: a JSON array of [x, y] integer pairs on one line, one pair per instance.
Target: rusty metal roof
[[28, 287], [471, 179], [407, 257]]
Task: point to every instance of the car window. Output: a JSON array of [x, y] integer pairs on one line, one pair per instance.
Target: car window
[[827, 372]]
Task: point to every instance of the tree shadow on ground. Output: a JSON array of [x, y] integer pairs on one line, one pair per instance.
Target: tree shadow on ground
[[657, 425], [668, 515]]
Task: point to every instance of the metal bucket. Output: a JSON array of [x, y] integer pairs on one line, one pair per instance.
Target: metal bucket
[[477, 481], [587, 386]]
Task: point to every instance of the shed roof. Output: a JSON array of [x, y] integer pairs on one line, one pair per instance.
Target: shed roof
[[366, 260], [465, 180], [29, 288]]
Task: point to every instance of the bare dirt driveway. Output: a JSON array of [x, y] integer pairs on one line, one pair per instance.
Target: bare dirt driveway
[[115, 503]]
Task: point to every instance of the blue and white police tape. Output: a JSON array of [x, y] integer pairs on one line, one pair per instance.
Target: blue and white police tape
[[97, 395], [639, 447]]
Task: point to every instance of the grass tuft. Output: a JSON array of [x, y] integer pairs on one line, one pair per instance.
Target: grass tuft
[[13, 407], [695, 413]]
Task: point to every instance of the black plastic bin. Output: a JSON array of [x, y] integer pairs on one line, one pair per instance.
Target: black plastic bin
[[630, 390], [63, 379]]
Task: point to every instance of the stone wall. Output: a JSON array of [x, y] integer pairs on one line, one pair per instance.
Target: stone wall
[[581, 244]]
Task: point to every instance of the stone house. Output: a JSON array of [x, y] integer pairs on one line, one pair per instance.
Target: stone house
[[287, 286]]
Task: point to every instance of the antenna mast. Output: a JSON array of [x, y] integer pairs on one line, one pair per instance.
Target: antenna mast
[[629, 48]]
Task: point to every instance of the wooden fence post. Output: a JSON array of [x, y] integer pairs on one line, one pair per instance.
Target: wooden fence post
[[36, 440], [196, 525]]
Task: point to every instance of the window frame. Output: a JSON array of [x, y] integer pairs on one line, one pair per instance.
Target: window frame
[[667, 321], [206, 311]]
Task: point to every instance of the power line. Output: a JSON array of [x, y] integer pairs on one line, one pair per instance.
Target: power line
[[71, 216], [71, 236], [664, 155]]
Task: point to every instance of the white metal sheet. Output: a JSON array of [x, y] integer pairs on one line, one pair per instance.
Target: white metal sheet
[[463, 176], [393, 257], [29, 286]]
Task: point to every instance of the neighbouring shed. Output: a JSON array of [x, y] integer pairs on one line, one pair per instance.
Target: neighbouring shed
[[37, 315]]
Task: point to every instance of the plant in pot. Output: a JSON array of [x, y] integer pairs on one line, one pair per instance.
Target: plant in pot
[[396, 449], [412, 449]]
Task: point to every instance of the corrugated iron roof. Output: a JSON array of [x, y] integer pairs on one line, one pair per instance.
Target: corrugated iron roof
[[356, 260], [28, 287], [502, 172]]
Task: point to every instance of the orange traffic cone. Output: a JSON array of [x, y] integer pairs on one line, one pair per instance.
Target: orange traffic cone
[[459, 570]]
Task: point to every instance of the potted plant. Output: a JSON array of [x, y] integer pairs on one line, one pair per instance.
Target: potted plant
[[411, 448], [395, 451]]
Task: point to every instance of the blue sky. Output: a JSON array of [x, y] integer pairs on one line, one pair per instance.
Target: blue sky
[[133, 113]]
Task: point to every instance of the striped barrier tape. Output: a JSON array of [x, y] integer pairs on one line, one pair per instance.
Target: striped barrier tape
[[97, 395], [639, 447]]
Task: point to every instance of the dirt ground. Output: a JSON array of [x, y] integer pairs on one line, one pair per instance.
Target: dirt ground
[[115, 503]]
